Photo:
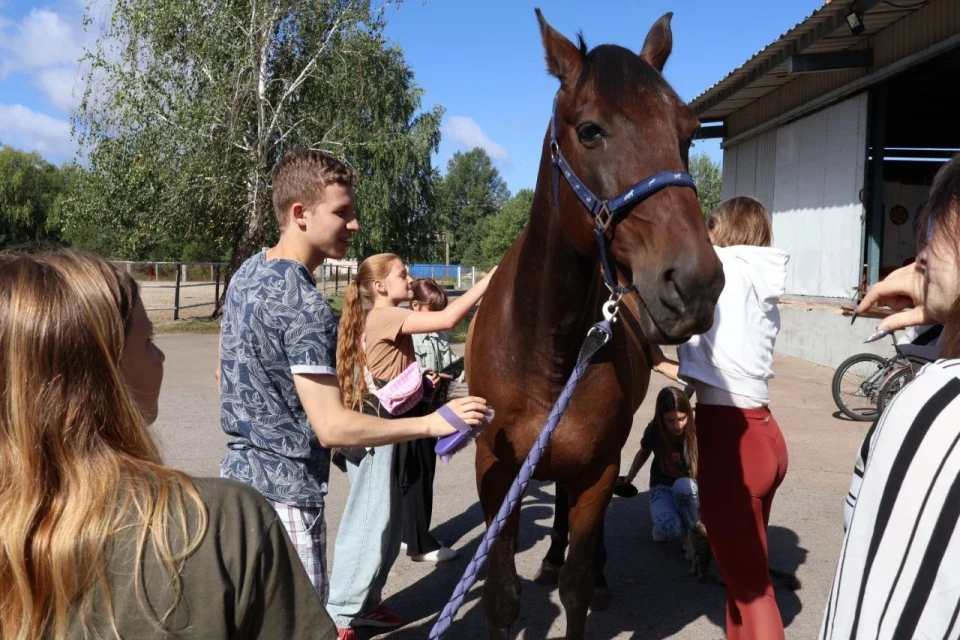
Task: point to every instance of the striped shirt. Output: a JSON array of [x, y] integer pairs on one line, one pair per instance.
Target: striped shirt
[[921, 346], [899, 569]]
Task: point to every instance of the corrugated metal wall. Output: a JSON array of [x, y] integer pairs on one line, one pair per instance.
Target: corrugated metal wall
[[809, 174], [728, 188], [817, 213], [790, 96], [935, 22], [766, 167], [749, 168], [938, 20]]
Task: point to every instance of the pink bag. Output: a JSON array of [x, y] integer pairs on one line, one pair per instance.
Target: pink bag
[[403, 392]]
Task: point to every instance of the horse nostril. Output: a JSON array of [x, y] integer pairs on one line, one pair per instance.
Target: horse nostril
[[670, 294]]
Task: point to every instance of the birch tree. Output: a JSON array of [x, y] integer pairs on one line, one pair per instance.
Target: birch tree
[[189, 105]]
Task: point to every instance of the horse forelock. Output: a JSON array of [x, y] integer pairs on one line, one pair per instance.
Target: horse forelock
[[617, 74]]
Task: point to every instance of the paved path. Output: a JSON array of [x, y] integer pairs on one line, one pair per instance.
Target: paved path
[[652, 596]]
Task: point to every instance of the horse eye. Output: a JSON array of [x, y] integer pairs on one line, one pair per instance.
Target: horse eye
[[590, 133]]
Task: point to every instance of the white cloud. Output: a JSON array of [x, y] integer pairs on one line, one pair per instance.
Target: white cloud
[[468, 133], [29, 130], [61, 86], [46, 47], [42, 40]]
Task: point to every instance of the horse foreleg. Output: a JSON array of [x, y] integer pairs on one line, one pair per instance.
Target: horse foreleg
[[549, 571], [501, 591], [578, 578]]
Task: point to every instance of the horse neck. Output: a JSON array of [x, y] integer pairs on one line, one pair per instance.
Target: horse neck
[[566, 284]]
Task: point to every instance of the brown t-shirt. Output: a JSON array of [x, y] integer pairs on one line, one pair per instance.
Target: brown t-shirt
[[388, 351], [245, 579]]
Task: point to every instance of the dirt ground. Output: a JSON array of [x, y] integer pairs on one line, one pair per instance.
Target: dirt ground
[[161, 295], [652, 595]]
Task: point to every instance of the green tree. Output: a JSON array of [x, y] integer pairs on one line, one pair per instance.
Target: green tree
[[707, 176], [31, 193], [495, 234], [189, 105], [471, 191]]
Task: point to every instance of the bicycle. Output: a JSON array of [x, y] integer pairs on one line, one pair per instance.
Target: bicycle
[[865, 383]]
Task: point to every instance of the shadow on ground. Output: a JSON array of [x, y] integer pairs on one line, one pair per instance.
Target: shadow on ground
[[652, 596]]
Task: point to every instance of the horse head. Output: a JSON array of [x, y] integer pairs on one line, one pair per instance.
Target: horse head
[[617, 124]]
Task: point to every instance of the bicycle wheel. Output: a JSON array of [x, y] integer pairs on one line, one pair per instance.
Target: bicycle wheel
[[894, 384], [856, 385]]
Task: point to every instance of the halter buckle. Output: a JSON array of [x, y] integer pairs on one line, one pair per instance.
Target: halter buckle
[[554, 150]]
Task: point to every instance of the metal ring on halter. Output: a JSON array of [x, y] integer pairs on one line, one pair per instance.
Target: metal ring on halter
[[611, 308], [619, 290]]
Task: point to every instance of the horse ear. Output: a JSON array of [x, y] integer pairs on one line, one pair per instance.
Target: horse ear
[[564, 60], [659, 43]]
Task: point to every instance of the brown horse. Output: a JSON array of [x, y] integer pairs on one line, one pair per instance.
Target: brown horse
[[617, 121]]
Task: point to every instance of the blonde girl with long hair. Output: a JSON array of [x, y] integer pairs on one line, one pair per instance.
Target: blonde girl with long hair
[[98, 537], [374, 353]]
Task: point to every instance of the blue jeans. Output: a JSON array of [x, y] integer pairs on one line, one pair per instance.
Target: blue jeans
[[674, 510], [368, 541]]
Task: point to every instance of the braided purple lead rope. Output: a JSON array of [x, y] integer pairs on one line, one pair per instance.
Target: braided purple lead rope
[[598, 336]]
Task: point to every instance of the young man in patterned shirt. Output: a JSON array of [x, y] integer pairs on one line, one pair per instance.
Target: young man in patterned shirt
[[279, 398]]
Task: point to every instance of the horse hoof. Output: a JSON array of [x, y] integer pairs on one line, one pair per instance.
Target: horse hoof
[[548, 575], [600, 600], [498, 633]]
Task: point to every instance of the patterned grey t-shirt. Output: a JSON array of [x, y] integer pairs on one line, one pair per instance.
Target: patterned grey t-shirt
[[275, 324]]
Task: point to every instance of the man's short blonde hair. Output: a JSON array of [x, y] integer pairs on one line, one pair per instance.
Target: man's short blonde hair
[[302, 176]]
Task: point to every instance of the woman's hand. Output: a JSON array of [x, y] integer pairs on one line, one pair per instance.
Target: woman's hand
[[904, 291], [471, 409], [664, 365], [433, 377]]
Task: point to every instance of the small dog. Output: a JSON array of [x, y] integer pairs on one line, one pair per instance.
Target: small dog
[[703, 566]]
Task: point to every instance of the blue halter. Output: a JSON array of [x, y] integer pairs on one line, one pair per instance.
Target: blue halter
[[608, 213]]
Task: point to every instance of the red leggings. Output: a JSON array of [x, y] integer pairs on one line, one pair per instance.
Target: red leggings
[[742, 461]]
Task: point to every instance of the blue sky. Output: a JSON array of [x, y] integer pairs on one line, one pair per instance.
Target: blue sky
[[482, 61]]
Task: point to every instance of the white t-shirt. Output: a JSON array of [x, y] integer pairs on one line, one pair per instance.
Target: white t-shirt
[[732, 363]]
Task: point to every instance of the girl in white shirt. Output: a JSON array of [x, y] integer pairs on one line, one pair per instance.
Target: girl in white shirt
[[743, 457]]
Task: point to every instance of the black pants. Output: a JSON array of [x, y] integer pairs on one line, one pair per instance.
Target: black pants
[[560, 538], [416, 466]]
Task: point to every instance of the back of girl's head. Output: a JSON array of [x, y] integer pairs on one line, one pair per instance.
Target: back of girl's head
[[359, 299], [740, 220], [76, 457], [63, 323], [941, 216], [430, 294]]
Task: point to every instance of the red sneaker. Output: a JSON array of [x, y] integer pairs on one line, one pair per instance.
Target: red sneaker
[[346, 634], [379, 617]]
